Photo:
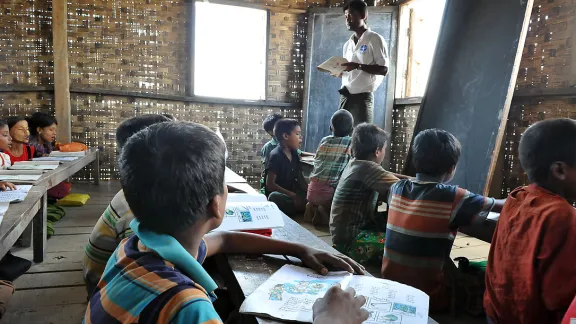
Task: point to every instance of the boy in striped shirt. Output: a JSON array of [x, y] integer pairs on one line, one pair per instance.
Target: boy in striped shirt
[[156, 276], [425, 214]]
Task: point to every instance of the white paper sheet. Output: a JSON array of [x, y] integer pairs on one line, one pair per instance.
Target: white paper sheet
[[58, 153], [493, 216], [231, 177], [57, 158], [17, 195], [251, 216], [3, 210], [391, 302], [37, 166], [291, 291], [333, 65]]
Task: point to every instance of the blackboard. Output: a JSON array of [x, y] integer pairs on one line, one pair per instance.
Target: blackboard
[[472, 80], [327, 34]]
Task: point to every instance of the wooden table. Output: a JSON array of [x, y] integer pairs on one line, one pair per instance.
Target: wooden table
[[243, 274], [37, 234], [17, 219], [67, 169], [237, 182]]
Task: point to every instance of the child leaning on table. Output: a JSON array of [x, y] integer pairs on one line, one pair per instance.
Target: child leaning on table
[[114, 224], [156, 275], [531, 273], [424, 215], [43, 129]]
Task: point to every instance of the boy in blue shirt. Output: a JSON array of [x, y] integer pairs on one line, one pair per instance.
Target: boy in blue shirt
[[156, 275]]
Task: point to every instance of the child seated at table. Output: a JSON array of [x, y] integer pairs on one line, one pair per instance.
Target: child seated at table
[[43, 128], [156, 275], [285, 184], [114, 224], [330, 160], [268, 126], [424, 215], [531, 276], [355, 228], [19, 150]]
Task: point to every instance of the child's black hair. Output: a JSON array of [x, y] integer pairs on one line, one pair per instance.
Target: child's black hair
[[270, 121], [358, 6], [435, 152], [284, 126], [13, 120], [167, 186], [545, 143], [3, 123], [169, 116], [366, 139], [133, 125], [40, 119], [342, 123]]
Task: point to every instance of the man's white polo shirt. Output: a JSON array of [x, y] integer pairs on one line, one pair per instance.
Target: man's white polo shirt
[[371, 49]]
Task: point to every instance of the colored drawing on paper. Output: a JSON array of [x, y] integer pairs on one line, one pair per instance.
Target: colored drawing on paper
[[229, 212], [245, 217], [406, 309], [313, 287]]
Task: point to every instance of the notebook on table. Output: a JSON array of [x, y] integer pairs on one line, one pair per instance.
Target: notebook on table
[[20, 175], [17, 195]]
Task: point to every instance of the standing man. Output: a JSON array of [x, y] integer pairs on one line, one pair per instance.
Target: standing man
[[367, 65]]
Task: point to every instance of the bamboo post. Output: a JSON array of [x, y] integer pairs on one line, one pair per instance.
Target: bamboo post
[[61, 71]]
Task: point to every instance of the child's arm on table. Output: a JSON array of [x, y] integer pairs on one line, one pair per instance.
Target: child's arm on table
[[246, 243], [4, 185]]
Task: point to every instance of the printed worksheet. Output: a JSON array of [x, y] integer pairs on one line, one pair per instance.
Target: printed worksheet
[[17, 195], [241, 216], [290, 293]]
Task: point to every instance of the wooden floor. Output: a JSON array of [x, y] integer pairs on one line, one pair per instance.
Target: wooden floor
[[53, 291]]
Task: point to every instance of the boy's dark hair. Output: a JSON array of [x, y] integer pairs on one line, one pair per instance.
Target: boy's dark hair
[[284, 126], [435, 152], [40, 119], [13, 120], [168, 188], [133, 125], [270, 121], [366, 139], [547, 142], [3, 123], [358, 6], [342, 123], [169, 116]]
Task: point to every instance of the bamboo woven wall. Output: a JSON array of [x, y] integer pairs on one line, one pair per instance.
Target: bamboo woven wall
[[403, 123], [25, 43], [546, 63]]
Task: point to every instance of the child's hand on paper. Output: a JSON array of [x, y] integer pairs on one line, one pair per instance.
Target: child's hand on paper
[[340, 307], [320, 261], [350, 66], [7, 185]]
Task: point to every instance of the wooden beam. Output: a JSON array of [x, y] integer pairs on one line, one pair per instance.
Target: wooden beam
[[545, 92], [257, 6], [408, 101], [61, 74], [504, 117]]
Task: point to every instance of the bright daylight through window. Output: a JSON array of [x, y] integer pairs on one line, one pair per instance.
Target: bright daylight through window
[[230, 52]]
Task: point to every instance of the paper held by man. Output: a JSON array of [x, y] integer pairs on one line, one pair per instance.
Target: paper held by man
[[333, 65]]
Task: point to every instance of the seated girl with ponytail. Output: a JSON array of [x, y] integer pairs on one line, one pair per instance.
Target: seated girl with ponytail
[[43, 128]]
